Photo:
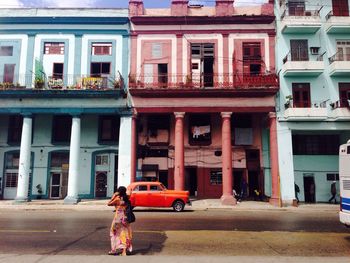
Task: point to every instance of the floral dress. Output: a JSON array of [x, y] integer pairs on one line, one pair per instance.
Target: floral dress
[[120, 233]]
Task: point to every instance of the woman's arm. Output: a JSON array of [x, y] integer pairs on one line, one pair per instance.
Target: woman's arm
[[115, 200]]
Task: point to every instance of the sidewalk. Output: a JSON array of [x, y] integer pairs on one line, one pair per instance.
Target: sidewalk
[[197, 205]]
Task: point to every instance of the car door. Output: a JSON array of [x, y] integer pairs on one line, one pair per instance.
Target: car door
[[156, 196], [140, 195]]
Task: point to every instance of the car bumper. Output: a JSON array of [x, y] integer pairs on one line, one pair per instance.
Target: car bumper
[[345, 218]]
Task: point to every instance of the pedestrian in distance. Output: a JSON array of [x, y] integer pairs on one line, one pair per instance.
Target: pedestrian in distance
[[297, 191], [333, 192], [120, 231]]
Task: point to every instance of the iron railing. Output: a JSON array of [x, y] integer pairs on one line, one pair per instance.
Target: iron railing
[[43, 82], [289, 11], [302, 55], [197, 81], [339, 56]]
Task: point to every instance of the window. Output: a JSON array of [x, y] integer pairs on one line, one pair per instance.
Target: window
[[251, 58], [59, 158], [344, 94], [9, 73], [333, 177], [140, 188], [216, 177], [163, 74], [57, 72], [108, 129], [299, 50], [61, 129], [15, 129], [101, 160], [155, 188], [315, 144], [54, 48], [100, 49], [301, 95], [6, 51], [12, 161], [156, 50], [11, 180], [200, 129], [202, 59], [343, 50], [296, 7], [340, 7], [100, 68], [242, 129], [158, 122]]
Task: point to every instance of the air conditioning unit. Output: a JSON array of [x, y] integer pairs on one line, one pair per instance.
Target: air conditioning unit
[[314, 50]]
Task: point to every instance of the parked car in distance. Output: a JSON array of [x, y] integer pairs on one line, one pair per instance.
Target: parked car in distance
[[155, 194]]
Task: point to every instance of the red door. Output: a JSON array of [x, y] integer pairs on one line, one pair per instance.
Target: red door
[[340, 7]]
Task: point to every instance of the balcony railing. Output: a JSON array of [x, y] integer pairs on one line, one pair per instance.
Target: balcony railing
[[219, 81], [300, 12], [339, 56], [73, 82], [301, 55]]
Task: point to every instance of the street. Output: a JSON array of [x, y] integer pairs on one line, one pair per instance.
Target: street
[[166, 233]]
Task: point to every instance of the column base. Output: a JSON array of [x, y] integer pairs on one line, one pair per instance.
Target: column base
[[20, 200], [275, 201], [228, 200], [71, 200]]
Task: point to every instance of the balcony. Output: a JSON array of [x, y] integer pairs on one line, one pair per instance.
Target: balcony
[[337, 24], [317, 112], [203, 81], [302, 65], [340, 110], [65, 84], [300, 21], [339, 65]]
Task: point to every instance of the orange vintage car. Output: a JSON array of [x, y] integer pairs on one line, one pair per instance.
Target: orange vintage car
[[155, 194]]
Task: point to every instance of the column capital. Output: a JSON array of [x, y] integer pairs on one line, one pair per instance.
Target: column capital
[[179, 114], [226, 114], [272, 115], [75, 115], [27, 115]]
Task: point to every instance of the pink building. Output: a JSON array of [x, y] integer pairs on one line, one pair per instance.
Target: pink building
[[203, 87]]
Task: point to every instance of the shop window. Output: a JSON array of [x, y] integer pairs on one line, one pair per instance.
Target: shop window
[[15, 129], [200, 129], [6, 51], [61, 129], [54, 48], [101, 49], [216, 177], [98, 69], [301, 95], [315, 144], [344, 94], [108, 129]]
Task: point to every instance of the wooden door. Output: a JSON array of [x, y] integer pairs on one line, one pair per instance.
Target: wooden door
[[340, 7], [101, 184], [301, 95]]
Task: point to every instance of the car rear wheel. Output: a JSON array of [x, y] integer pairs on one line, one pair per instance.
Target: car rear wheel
[[178, 206]]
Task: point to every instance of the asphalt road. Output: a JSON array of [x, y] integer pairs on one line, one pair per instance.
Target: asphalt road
[[163, 232]]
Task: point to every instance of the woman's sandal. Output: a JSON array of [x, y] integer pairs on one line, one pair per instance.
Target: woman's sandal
[[112, 253]]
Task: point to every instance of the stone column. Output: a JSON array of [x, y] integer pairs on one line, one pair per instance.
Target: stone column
[[133, 161], [274, 159], [125, 151], [74, 157], [24, 160], [227, 180], [179, 174]]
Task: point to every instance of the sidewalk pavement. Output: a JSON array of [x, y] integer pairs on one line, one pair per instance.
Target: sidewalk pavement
[[196, 205]]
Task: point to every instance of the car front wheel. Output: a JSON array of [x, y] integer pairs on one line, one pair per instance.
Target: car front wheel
[[178, 206]]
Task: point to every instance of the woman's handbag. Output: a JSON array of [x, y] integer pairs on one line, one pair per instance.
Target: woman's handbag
[[130, 216]]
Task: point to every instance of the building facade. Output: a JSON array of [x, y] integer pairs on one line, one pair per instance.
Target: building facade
[[203, 86], [64, 114], [313, 61]]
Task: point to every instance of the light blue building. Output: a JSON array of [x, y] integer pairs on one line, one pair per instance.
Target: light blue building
[[313, 61], [64, 116]]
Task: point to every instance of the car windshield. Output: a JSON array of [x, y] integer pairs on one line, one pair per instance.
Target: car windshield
[[162, 186]]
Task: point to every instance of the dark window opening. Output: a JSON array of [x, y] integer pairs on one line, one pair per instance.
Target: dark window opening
[[301, 95], [252, 58], [200, 129], [15, 129], [61, 129], [59, 158], [344, 94], [108, 129], [6, 51], [296, 8], [158, 122], [315, 144], [98, 69], [215, 177], [163, 74], [241, 129], [203, 64], [57, 72], [9, 73], [333, 177]]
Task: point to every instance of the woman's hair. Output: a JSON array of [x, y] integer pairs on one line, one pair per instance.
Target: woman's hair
[[122, 193]]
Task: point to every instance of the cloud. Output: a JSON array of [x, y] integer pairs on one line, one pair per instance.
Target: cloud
[[11, 3], [69, 3]]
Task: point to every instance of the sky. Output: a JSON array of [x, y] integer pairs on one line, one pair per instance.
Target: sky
[[104, 3]]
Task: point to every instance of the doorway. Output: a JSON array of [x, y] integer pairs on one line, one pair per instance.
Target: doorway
[[309, 189], [101, 185], [191, 181]]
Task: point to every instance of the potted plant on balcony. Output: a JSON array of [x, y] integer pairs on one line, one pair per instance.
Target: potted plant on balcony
[[188, 81], [289, 101], [116, 83], [40, 191], [39, 82]]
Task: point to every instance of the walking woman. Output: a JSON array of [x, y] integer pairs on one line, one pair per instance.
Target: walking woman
[[120, 233]]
